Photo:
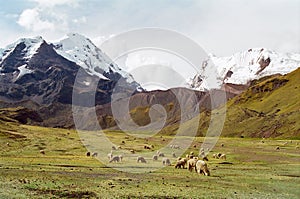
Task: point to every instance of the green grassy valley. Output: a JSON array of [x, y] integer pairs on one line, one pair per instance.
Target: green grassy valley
[[254, 168], [260, 139]]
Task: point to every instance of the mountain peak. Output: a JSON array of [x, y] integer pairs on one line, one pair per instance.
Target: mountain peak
[[84, 53], [29, 47], [242, 67]]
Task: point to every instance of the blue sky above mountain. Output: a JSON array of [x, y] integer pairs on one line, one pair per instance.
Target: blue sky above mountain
[[221, 27]]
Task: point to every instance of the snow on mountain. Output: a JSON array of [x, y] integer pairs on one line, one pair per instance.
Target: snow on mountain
[[23, 70], [243, 67], [28, 46], [84, 53], [31, 47]]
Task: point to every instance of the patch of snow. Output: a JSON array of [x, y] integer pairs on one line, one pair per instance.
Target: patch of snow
[[86, 83], [23, 70]]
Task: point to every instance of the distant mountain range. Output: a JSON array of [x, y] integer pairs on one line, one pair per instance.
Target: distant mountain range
[[243, 67], [39, 78]]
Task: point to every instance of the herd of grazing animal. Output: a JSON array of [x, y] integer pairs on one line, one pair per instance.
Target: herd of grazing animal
[[189, 162]]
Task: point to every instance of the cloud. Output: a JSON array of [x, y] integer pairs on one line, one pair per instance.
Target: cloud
[[53, 16], [31, 20], [53, 3]]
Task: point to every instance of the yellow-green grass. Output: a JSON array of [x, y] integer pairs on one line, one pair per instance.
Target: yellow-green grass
[[253, 169]]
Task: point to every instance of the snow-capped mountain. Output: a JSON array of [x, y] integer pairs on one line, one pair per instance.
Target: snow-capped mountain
[[84, 53], [242, 67], [32, 69]]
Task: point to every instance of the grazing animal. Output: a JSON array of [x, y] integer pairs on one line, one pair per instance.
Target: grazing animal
[[154, 157], [201, 168], [115, 159], [166, 161], [175, 146], [223, 156], [277, 148], [88, 154], [181, 163], [147, 147], [214, 155], [132, 151], [161, 154], [205, 158], [110, 155], [113, 148], [191, 164], [95, 154], [173, 155], [141, 159], [42, 152]]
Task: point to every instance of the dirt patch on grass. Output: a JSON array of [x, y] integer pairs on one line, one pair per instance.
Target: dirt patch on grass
[[65, 193]]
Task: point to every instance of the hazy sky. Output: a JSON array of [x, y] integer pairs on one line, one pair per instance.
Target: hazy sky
[[219, 26]]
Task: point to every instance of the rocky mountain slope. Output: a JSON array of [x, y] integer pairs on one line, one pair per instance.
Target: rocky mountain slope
[[32, 69], [270, 107]]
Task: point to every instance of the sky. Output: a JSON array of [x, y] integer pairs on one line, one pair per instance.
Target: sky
[[220, 27]]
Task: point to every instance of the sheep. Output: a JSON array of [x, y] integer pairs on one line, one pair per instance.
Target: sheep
[[154, 157], [121, 158], [214, 155], [223, 156], [110, 155], [132, 151], [181, 162], [88, 154], [277, 148], [173, 155], [115, 159], [166, 161], [201, 167], [175, 146], [191, 164], [161, 154], [42, 152], [206, 158], [113, 148], [222, 145], [95, 154], [141, 159], [147, 147]]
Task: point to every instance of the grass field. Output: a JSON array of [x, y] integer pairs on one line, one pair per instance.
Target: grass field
[[253, 169]]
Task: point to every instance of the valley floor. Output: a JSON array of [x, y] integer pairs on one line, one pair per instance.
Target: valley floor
[[254, 169]]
